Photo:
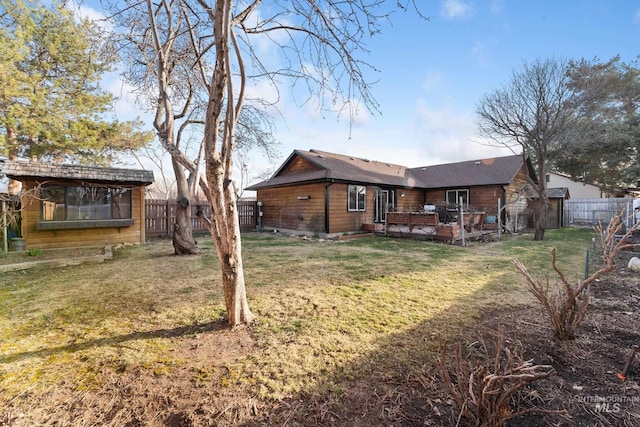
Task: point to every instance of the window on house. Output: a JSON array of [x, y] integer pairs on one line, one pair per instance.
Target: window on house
[[357, 198], [453, 197], [77, 203]]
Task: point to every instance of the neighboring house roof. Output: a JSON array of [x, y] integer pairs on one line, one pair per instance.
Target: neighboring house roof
[[18, 169], [331, 166]]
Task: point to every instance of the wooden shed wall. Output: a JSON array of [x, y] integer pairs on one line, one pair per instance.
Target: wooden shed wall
[[47, 239], [282, 207]]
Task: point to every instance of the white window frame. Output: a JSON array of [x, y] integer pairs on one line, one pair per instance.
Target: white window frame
[[457, 200], [360, 198]]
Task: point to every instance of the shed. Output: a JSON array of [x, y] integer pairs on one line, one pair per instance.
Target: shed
[[557, 196], [77, 205]]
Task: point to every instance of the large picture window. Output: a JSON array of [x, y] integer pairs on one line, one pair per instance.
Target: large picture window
[[357, 198], [80, 203], [453, 197]]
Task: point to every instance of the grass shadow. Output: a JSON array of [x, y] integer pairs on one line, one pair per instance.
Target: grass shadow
[[177, 332]]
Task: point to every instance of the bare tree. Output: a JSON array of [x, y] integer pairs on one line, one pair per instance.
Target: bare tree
[[220, 41], [533, 112]]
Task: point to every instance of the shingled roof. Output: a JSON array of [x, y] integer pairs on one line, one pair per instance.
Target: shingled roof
[[18, 169], [492, 171], [337, 167]]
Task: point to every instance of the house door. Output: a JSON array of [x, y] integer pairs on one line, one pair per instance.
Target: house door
[[384, 203]]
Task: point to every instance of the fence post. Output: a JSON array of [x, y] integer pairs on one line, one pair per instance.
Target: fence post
[[167, 216]]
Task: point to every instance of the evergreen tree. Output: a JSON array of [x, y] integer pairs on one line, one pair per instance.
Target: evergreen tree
[[51, 104]]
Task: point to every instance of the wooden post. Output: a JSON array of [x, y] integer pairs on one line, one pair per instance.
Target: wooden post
[[499, 219], [168, 216], [5, 244], [462, 222]]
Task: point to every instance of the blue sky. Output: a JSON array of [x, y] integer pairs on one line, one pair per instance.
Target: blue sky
[[432, 74]]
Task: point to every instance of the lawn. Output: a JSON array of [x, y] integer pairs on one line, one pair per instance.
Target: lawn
[[141, 339]]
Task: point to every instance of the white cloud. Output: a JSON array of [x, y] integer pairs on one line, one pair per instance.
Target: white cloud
[[432, 81], [82, 11], [497, 6], [480, 53], [456, 9], [450, 136], [126, 105]]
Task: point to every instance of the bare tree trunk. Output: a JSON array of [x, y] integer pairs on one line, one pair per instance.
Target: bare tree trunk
[[225, 227], [542, 217], [235, 295], [183, 241], [543, 199]]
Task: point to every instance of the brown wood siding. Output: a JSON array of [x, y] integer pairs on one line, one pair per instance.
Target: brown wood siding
[[516, 186], [413, 200], [298, 165], [288, 207], [341, 220], [485, 198], [47, 239], [435, 197]]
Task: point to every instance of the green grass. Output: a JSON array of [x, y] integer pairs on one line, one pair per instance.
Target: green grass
[[326, 311]]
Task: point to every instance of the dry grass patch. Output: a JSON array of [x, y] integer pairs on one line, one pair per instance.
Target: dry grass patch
[[328, 314]]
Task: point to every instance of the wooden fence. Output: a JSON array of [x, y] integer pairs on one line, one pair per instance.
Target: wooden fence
[[590, 212], [160, 216]]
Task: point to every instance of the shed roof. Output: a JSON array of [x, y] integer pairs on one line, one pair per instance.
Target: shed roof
[[558, 193], [19, 169]]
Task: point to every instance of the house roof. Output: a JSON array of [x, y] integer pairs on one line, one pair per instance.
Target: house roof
[[492, 171], [19, 169], [338, 167], [331, 166]]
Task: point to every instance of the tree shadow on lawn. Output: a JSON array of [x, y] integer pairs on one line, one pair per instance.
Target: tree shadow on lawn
[[180, 331], [398, 384]]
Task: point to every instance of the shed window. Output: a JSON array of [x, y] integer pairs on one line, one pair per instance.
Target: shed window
[[453, 197], [77, 203], [357, 198]]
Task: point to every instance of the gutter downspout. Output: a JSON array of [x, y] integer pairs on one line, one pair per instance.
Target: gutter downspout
[[326, 206]]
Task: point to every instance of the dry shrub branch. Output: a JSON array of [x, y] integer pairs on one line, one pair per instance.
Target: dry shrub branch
[[566, 304], [491, 393]]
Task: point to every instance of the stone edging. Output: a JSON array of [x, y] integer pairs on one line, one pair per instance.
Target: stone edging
[[62, 262]]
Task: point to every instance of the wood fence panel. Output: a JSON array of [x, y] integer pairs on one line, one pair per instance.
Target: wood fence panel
[[160, 215], [590, 212]]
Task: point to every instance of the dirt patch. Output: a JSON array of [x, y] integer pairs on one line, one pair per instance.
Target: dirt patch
[[219, 348]]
